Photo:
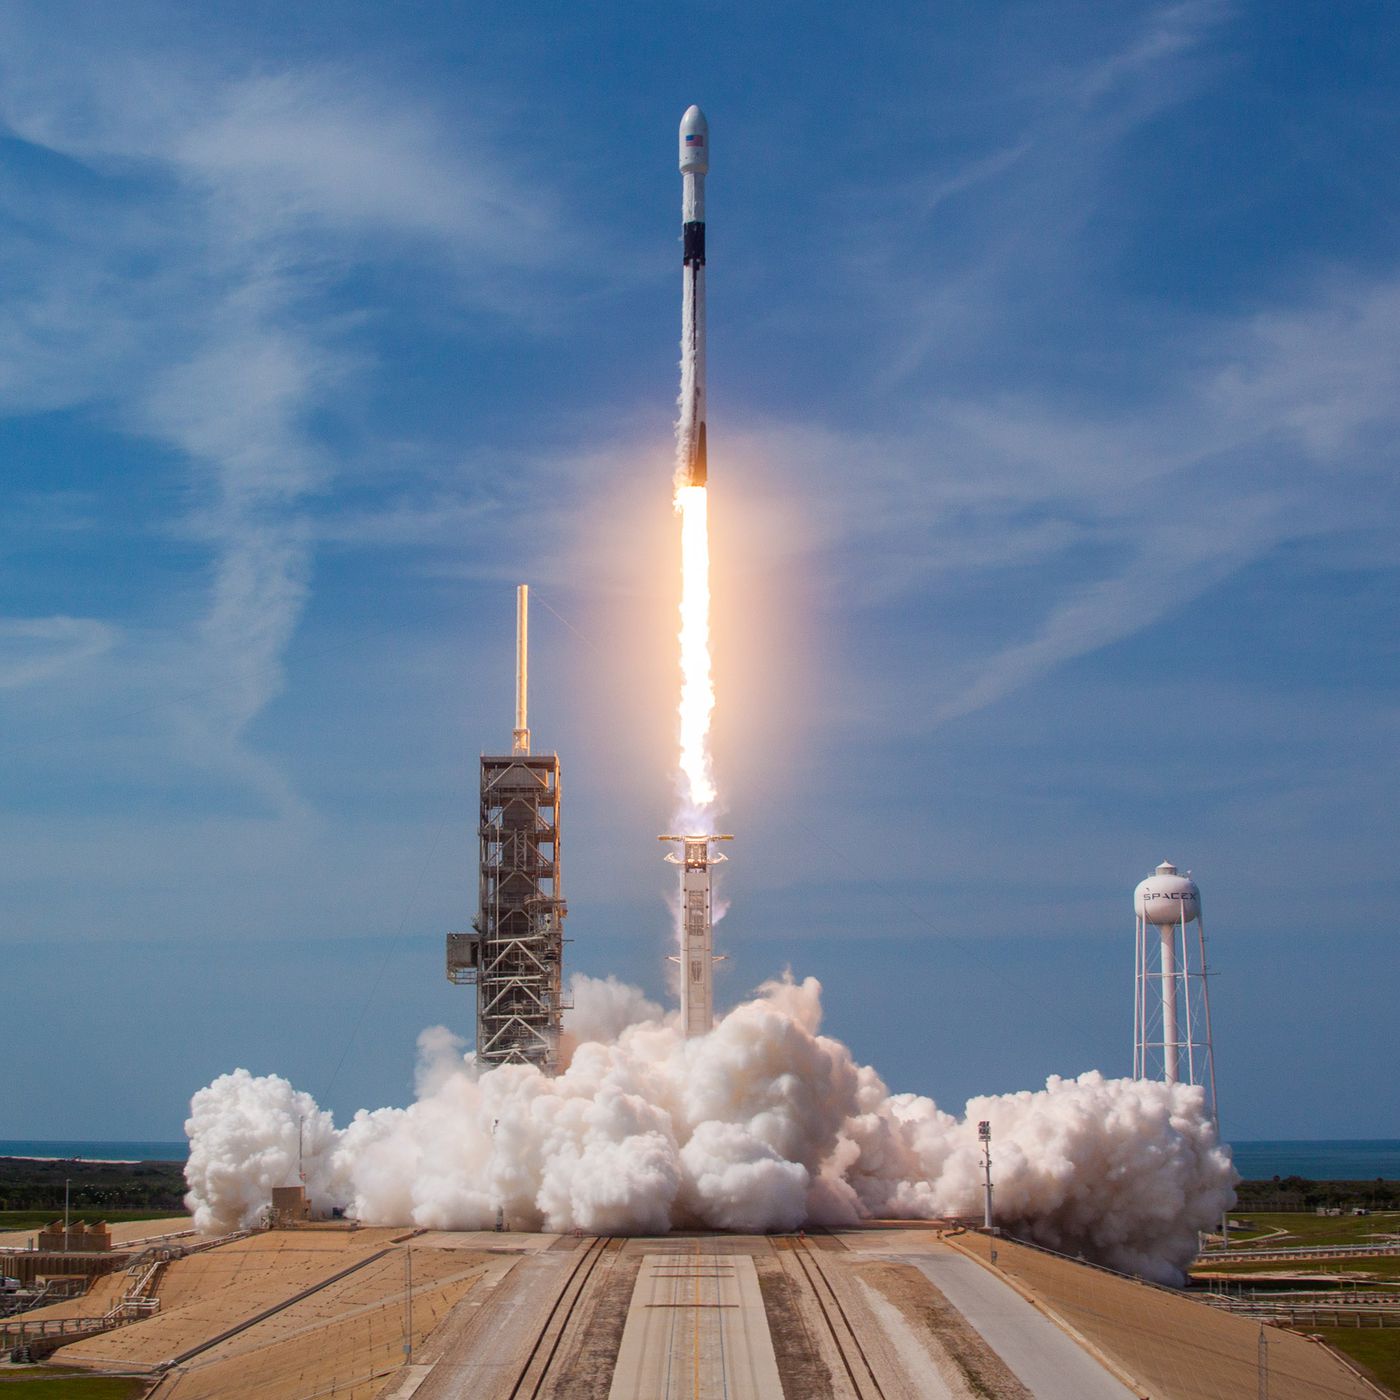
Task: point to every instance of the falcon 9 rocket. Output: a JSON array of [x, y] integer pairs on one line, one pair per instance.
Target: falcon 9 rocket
[[695, 161]]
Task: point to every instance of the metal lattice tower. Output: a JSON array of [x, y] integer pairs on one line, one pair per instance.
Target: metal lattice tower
[[697, 955], [515, 956]]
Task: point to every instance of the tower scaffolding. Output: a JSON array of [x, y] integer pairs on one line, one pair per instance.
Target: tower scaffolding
[[515, 954], [697, 954]]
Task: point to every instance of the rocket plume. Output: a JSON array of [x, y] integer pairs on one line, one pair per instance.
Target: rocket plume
[[762, 1124], [697, 686]]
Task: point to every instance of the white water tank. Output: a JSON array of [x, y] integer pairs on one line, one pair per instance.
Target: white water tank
[[1167, 897]]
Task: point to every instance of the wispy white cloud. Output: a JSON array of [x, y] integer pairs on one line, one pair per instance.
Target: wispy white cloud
[[1064, 526], [197, 316], [1068, 522], [60, 511], [1326, 372], [1167, 33], [257, 191], [35, 650], [298, 149], [1054, 137]]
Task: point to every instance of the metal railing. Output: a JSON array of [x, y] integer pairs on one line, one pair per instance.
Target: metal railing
[[155, 1239], [133, 1305], [1302, 1251], [18, 1337], [1298, 1313]]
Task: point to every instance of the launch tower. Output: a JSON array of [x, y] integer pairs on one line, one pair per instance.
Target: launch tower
[[697, 955], [515, 954]]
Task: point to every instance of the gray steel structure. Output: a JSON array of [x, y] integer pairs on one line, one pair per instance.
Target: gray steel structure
[[697, 932], [515, 954]]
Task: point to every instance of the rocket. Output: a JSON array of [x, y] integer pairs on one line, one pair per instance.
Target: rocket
[[690, 432]]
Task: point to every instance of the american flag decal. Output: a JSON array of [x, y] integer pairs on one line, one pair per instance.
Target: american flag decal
[[694, 139]]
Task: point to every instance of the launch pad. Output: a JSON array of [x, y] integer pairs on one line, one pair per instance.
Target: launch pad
[[910, 1310]]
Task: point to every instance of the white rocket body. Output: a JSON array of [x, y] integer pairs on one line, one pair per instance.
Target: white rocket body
[[690, 431]]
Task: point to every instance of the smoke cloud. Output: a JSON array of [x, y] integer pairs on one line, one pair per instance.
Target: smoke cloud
[[764, 1124]]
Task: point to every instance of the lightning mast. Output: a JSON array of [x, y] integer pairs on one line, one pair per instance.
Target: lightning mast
[[515, 954]]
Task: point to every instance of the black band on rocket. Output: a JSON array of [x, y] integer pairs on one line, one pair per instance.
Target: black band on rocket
[[694, 244]]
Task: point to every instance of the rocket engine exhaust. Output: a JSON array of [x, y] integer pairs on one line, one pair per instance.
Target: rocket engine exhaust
[[697, 700]]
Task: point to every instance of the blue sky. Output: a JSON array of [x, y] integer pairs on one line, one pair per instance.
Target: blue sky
[[1053, 402]]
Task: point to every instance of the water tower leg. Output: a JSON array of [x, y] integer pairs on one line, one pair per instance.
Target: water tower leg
[[1139, 1070], [1169, 1045]]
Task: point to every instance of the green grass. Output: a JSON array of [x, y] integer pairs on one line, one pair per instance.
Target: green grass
[[1375, 1350], [55, 1383], [1310, 1229], [1385, 1269], [37, 1219]]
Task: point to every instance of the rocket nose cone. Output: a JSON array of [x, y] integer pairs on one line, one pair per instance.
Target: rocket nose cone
[[695, 141]]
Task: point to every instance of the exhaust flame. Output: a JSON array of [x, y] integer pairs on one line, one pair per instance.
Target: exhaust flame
[[697, 686]]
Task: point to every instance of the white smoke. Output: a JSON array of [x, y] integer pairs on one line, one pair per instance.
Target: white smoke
[[764, 1124]]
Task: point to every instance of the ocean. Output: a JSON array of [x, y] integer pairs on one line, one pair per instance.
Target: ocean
[[1361, 1160], [96, 1151]]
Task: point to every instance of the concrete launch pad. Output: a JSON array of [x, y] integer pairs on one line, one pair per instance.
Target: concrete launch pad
[[890, 1312], [696, 1326]]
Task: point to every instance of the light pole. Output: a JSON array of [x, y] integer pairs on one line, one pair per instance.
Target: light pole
[[500, 1208], [984, 1136], [408, 1305]]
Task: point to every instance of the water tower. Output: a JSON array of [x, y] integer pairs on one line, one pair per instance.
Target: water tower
[[1171, 1001]]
